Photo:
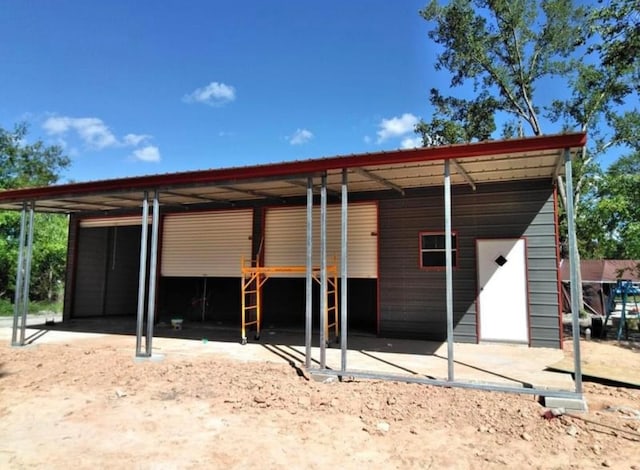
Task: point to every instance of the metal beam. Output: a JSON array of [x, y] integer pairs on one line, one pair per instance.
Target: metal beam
[[309, 276], [576, 290], [27, 273], [151, 306], [344, 225], [197, 197], [379, 179], [251, 192], [449, 268], [142, 277], [463, 172], [17, 303], [91, 204], [303, 184], [446, 383], [323, 271]]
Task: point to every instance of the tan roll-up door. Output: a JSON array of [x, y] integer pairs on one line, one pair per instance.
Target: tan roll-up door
[[285, 237], [206, 243], [112, 221]]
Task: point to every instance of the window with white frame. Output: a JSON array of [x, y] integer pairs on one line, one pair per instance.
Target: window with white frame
[[432, 250]]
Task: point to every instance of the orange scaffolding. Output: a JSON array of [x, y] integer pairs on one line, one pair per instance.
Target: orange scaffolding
[[253, 278]]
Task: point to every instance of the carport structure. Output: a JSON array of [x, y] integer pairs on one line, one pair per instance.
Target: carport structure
[[522, 166]]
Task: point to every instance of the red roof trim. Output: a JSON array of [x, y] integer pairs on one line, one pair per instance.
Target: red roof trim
[[459, 151]]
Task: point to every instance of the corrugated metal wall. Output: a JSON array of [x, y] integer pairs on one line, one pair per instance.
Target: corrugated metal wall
[[106, 277], [206, 243], [285, 237], [412, 301], [91, 280]]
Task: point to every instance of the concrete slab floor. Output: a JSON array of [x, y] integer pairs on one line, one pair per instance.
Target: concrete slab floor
[[501, 364]]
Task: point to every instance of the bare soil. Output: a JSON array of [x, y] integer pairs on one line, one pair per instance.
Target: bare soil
[[87, 404]]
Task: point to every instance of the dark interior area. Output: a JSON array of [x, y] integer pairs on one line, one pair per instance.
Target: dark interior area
[[283, 301], [185, 297]]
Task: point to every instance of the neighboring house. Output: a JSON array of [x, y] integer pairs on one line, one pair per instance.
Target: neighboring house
[[504, 236], [599, 279]]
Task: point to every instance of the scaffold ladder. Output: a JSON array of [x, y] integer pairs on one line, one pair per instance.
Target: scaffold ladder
[[332, 302], [253, 278], [252, 281]]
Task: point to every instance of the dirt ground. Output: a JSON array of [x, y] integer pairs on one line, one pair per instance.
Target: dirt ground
[[87, 404]]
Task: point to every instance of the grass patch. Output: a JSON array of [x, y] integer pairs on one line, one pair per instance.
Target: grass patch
[[6, 307]]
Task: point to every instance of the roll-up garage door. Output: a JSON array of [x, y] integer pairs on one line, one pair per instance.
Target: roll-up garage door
[[206, 243], [286, 232], [112, 221]]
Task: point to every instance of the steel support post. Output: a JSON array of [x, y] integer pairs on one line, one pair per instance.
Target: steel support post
[[576, 290], [309, 276], [27, 274], [344, 224], [142, 278], [449, 268], [17, 298], [153, 263], [323, 272]]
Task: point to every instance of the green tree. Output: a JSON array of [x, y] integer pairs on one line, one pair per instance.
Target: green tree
[[617, 210], [24, 164], [458, 120], [618, 25], [505, 48], [49, 259], [508, 50]]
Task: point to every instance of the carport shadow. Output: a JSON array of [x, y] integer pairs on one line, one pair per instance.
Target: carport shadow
[[36, 335], [229, 332], [294, 359], [487, 371]]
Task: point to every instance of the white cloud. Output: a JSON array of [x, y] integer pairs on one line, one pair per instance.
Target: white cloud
[[396, 127], [93, 131], [366, 139], [149, 153], [411, 142], [96, 135], [135, 139], [214, 94], [300, 136]]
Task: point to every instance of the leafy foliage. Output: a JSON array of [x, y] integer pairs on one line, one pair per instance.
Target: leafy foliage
[[506, 51], [618, 25], [457, 120], [504, 48], [617, 211], [24, 164]]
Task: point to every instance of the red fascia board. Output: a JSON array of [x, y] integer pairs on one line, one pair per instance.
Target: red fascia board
[[285, 169]]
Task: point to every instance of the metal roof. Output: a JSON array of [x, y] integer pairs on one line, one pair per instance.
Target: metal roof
[[475, 164], [603, 270]]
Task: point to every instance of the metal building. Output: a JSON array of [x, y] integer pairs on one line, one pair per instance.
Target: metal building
[[452, 243]]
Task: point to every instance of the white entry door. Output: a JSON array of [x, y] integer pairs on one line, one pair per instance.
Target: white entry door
[[502, 282]]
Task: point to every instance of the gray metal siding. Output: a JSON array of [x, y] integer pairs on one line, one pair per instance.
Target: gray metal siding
[[91, 279], [69, 283], [412, 301], [123, 268], [106, 274]]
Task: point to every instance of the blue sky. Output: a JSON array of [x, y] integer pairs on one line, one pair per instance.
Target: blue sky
[[142, 87], [145, 87]]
